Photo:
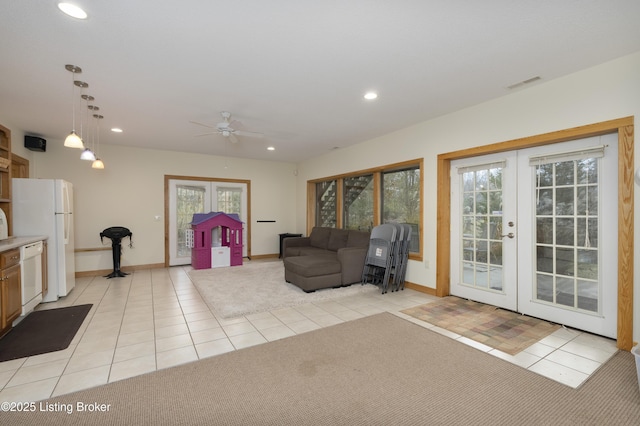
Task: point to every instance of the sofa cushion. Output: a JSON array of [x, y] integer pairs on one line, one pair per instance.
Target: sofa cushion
[[315, 251], [320, 237], [338, 239], [358, 239], [312, 266]]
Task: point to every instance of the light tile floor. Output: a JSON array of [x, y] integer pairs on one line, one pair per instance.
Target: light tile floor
[[155, 319]]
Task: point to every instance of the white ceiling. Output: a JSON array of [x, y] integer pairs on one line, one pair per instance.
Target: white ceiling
[[295, 70]]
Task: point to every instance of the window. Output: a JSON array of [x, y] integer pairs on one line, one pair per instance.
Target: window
[[326, 206], [358, 202], [365, 199], [401, 201]]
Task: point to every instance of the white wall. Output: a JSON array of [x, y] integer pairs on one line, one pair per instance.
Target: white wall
[[129, 192], [605, 92]]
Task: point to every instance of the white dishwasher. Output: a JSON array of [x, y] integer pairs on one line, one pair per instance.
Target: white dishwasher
[[31, 276]]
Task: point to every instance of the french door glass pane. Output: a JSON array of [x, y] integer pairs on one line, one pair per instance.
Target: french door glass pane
[[567, 234], [189, 200], [230, 200], [482, 228]]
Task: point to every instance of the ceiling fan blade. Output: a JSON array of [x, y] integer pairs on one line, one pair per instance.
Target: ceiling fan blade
[[233, 138], [202, 124], [249, 134], [205, 134]]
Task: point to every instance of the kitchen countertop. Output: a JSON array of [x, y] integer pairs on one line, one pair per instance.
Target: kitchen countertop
[[15, 242]]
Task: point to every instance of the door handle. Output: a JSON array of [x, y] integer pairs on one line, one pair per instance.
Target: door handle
[[510, 235]]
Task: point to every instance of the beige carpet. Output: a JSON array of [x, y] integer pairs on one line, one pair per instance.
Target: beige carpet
[[259, 286], [379, 370], [504, 330]]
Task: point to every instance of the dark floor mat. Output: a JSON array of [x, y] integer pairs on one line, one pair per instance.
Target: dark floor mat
[[43, 331]]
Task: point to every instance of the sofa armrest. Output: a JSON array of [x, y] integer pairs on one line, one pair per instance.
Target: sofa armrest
[[294, 242], [352, 262]]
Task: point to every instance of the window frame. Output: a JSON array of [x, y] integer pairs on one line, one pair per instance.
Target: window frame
[[377, 173]]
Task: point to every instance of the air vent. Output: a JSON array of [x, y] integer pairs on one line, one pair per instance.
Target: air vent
[[523, 82]]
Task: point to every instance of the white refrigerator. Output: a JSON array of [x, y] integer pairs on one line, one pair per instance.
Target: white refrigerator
[[45, 207]]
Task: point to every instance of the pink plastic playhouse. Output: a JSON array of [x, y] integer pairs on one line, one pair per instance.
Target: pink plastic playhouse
[[229, 228]]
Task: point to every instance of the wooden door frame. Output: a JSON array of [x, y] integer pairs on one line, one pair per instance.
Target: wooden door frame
[[625, 129]]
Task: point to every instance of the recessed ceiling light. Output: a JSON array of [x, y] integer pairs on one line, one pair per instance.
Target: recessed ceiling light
[[370, 96], [116, 130], [72, 10], [271, 148]]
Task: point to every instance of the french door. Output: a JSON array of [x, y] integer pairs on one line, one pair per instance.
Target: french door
[[187, 197], [535, 231], [483, 243]]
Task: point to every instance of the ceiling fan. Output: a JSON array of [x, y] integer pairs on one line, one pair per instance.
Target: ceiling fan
[[225, 129]]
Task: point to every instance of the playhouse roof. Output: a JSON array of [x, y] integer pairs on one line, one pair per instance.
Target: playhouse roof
[[199, 218]]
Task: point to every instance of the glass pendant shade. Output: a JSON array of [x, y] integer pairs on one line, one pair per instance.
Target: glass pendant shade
[[87, 154], [97, 164], [73, 141]]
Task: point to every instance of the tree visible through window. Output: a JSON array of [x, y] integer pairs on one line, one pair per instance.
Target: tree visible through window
[[190, 200], [358, 202], [230, 200], [401, 200]]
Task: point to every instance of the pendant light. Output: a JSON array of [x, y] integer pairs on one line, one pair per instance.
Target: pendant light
[[73, 140], [97, 163], [88, 154]]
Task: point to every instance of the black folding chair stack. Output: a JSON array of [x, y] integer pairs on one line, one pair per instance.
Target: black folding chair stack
[[380, 256], [400, 269], [395, 262]]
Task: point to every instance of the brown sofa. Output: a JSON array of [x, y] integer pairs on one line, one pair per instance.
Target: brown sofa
[[327, 258]]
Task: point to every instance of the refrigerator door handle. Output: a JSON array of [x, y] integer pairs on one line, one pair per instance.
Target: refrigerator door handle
[[66, 205], [66, 226]]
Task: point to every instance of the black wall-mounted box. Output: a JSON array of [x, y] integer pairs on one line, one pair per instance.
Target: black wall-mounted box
[[35, 143]]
